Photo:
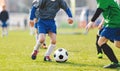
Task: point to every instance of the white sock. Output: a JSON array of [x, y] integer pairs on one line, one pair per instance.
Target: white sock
[[37, 46], [50, 49], [44, 42], [36, 37]]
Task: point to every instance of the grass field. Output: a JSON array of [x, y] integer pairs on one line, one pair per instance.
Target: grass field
[[15, 52]]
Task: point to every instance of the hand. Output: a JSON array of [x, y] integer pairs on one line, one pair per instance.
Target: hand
[[70, 20], [100, 26], [31, 23], [89, 25], [35, 20]]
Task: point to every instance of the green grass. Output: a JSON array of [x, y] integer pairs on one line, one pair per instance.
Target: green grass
[[15, 52]]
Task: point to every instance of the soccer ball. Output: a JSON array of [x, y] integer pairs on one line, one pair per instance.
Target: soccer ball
[[61, 55]]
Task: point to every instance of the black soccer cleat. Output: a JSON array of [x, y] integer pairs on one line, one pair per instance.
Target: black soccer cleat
[[47, 58], [112, 65], [34, 54]]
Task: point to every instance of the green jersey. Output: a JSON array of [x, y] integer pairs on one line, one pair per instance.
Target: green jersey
[[111, 13]]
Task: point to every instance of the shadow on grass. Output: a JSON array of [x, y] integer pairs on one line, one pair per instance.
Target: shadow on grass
[[87, 65], [80, 65], [73, 64]]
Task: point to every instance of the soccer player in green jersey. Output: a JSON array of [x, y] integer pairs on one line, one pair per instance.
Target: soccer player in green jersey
[[111, 13], [100, 50]]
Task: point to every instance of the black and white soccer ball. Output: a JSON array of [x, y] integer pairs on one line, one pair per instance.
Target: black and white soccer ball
[[61, 55]]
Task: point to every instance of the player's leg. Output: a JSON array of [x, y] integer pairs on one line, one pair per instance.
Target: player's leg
[[39, 42], [36, 33], [37, 37], [117, 43], [44, 44], [108, 32], [109, 53], [6, 29], [3, 30], [41, 38], [99, 50], [50, 47], [52, 35]]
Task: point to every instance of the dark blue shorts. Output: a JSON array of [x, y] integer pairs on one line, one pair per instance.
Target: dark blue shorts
[[4, 24], [101, 30], [46, 25], [111, 33]]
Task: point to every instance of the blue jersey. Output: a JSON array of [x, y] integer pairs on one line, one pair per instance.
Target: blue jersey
[[49, 8], [46, 14]]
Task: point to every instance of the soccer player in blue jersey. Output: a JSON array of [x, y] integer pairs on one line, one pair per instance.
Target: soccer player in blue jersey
[[46, 23], [4, 16], [35, 25], [111, 31]]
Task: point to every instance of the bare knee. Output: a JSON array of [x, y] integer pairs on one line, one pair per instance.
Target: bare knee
[[53, 41], [117, 43], [102, 40], [100, 43], [42, 40]]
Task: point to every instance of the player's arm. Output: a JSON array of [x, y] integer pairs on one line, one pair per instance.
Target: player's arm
[[35, 5], [95, 16], [32, 13], [68, 12], [32, 16], [64, 6], [101, 24]]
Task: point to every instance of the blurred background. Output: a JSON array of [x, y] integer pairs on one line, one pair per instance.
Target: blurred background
[[19, 13]]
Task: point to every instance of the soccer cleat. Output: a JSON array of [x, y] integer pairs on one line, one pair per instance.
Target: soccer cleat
[[34, 54], [47, 58], [44, 46], [112, 65], [100, 55]]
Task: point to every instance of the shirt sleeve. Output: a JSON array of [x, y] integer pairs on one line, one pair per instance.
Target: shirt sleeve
[[103, 4], [32, 13], [37, 3], [68, 12], [63, 5], [97, 14]]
